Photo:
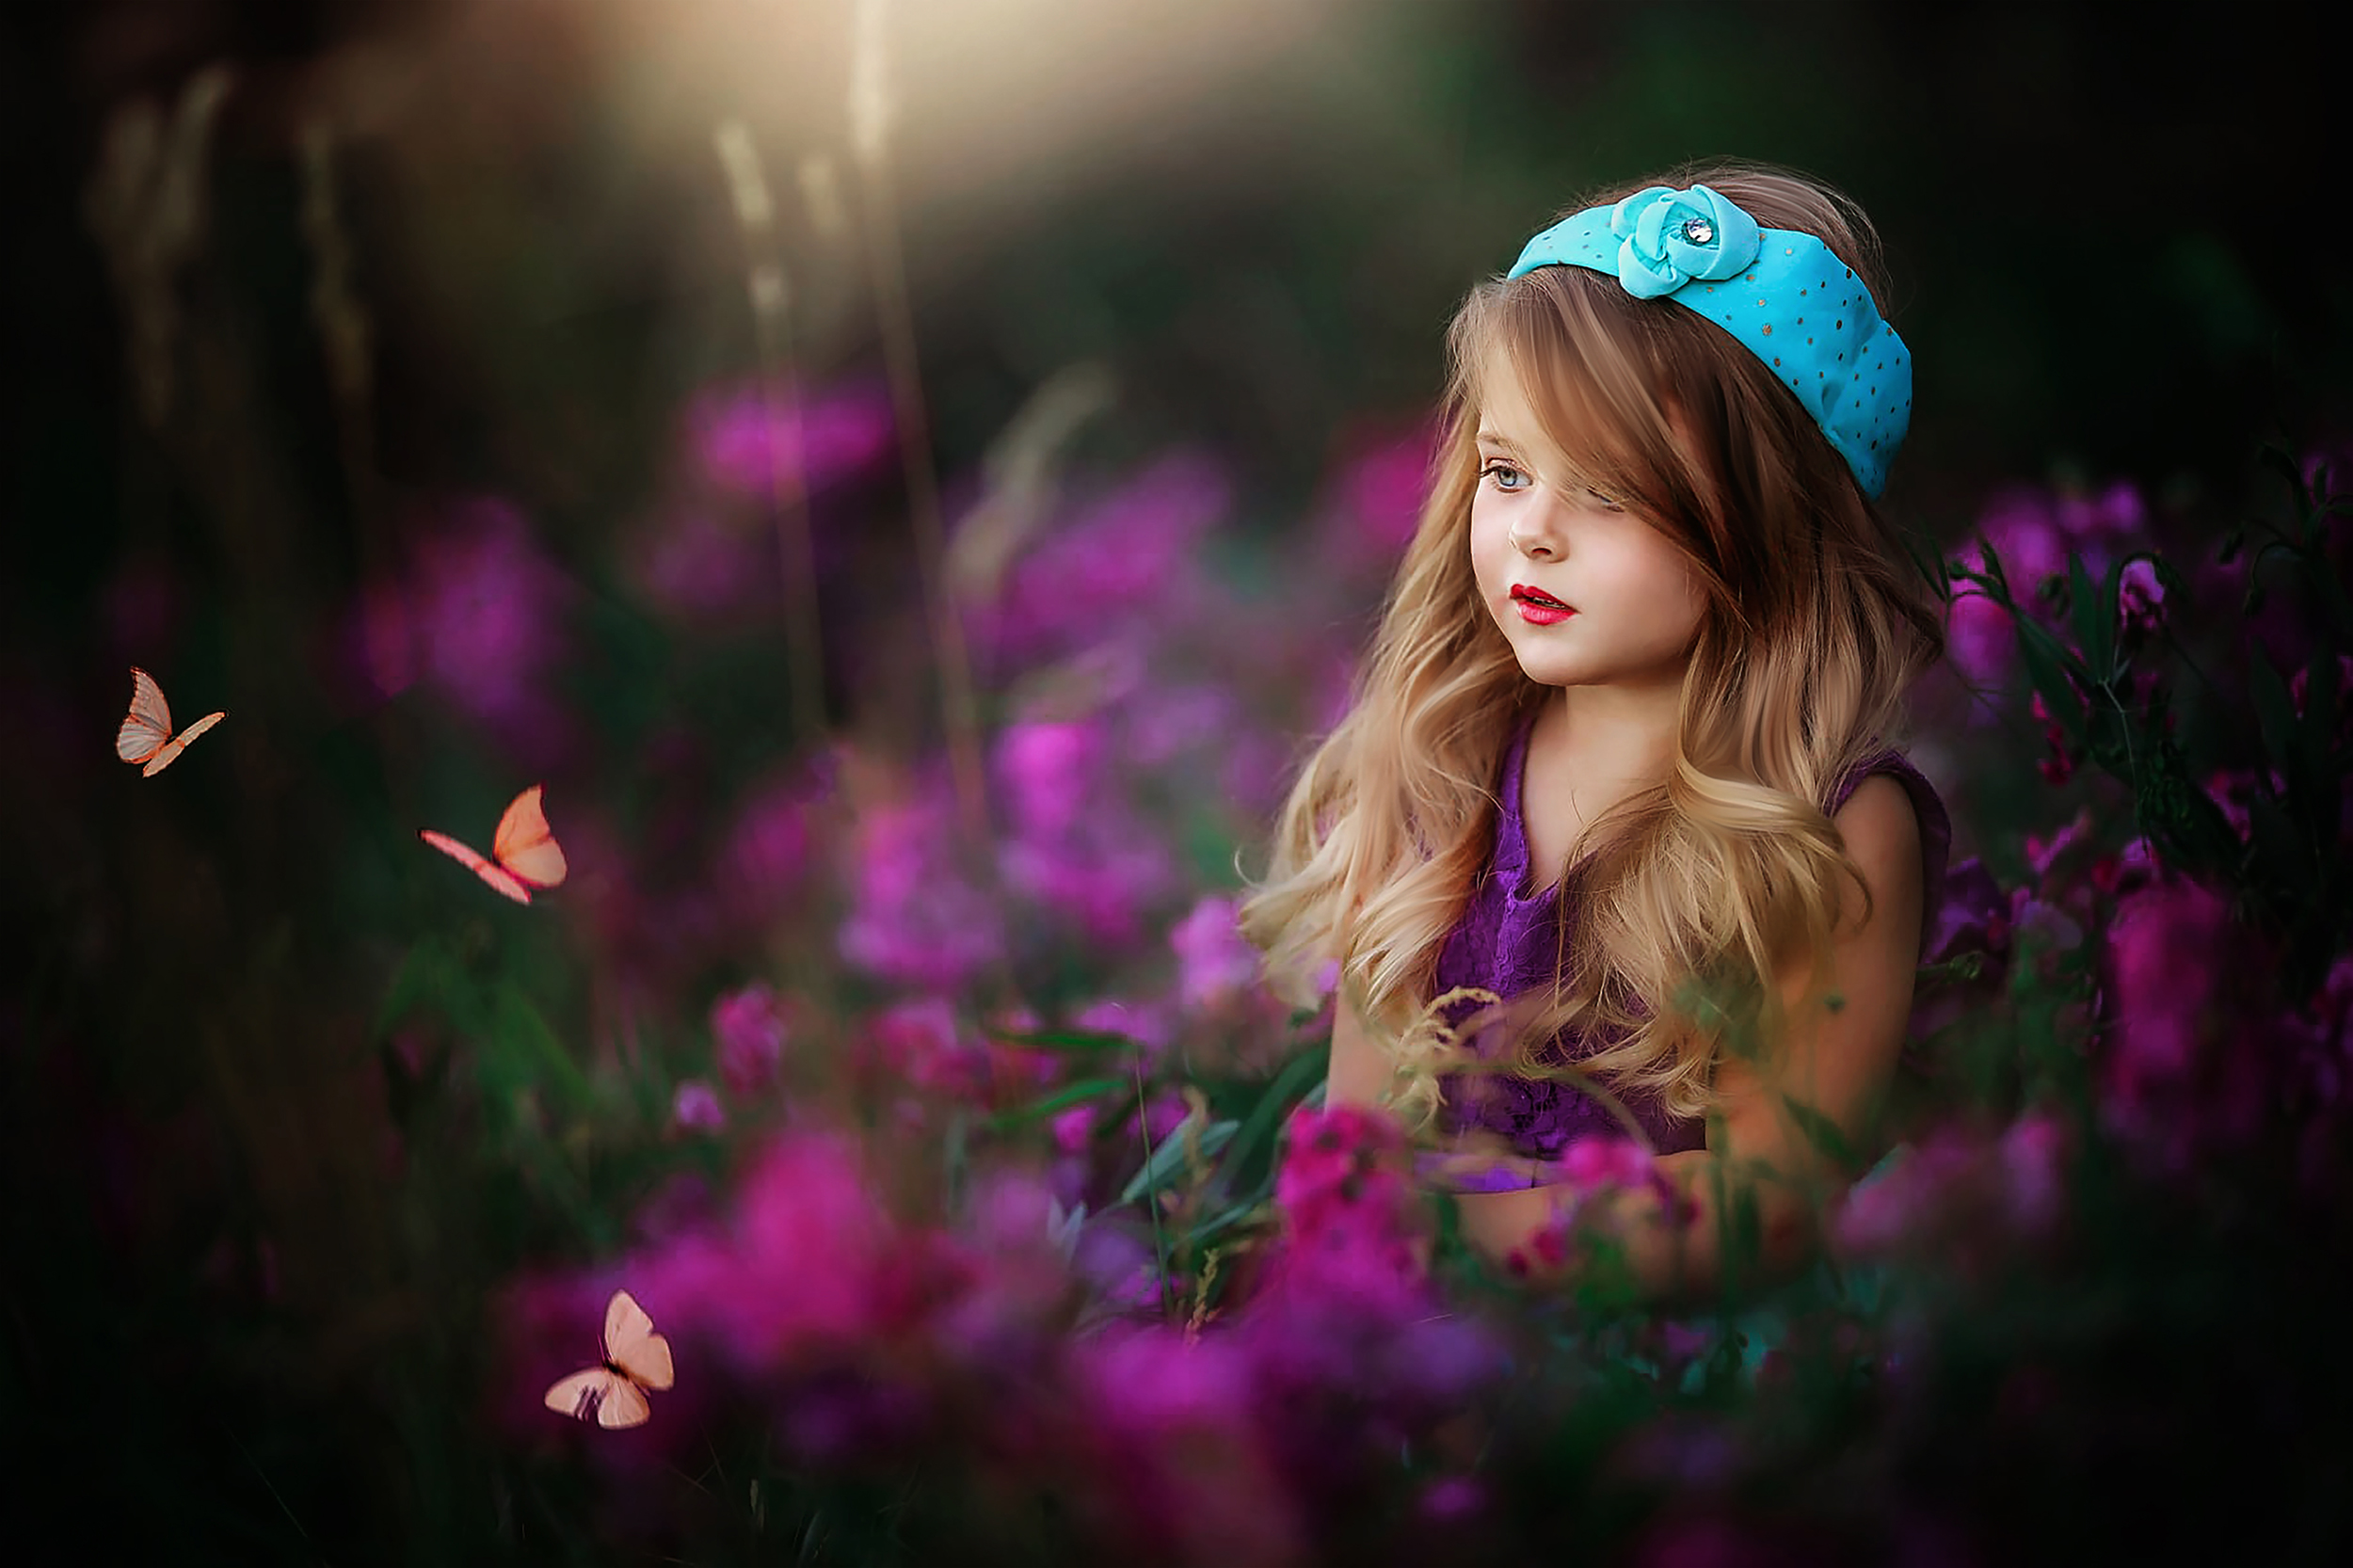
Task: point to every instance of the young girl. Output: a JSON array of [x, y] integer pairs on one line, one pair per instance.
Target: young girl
[[1619, 758]]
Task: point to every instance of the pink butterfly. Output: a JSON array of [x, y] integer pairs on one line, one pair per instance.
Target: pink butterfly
[[523, 854], [636, 1360], [146, 735]]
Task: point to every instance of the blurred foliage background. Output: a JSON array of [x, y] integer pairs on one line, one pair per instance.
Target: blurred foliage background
[[327, 319]]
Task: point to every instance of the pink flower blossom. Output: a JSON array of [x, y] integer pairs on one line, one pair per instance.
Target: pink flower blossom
[[809, 1260], [767, 853], [1161, 1115], [1094, 879], [920, 1043], [1383, 484], [914, 919], [2033, 531], [2140, 599], [2170, 1079], [1602, 1162], [1165, 721], [1170, 1430], [1047, 771], [743, 442], [1352, 1214], [696, 1106], [1074, 1128], [2034, 1154], [475, 613], [750, 1032], [1129, 561], [1146, 1023], [1979, 635], [1213, 961]]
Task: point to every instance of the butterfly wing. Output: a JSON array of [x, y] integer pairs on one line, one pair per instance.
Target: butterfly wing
[[630, 1343], [162, 758], [149, 724], [625, 1406], [579, 1394], [496, 876], [525, 845], [596, 1395]]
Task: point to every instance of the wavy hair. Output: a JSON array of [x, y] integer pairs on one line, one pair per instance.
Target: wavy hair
[[1701, 889]]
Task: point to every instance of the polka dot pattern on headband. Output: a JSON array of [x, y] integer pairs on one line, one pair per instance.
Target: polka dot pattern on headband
[[1864, 412]]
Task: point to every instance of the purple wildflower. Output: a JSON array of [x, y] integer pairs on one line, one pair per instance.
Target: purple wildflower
[[1383, 484], [1095, 875], [696, 1106], [1074, 1128], [742, 442], [476, 616], [913, 921], [1169, 1430], [1129, 560], [920, 1043], [2140, 599], [768, 849], [1352, 1215], [750, 1032], [1047, 771], [1145, 1023], [1213, 962], [2033, 531], [2169, 1084]]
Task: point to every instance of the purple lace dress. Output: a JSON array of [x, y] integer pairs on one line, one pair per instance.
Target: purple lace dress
[[1507, 940]]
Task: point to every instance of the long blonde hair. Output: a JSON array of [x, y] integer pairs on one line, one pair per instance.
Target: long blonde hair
[[1700, 890]]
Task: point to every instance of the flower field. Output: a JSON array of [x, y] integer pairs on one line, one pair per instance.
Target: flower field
[[911, 715]]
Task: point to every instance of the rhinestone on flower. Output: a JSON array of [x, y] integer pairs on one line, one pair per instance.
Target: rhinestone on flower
[[1698, 230]]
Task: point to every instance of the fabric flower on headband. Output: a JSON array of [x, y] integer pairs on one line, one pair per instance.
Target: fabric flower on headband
[[1673, 236]]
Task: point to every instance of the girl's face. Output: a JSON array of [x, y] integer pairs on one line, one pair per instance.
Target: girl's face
[[1637, 603]]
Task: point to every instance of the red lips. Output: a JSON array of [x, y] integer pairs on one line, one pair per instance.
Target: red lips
[[1528, 594]]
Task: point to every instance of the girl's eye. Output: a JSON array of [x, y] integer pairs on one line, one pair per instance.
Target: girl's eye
[[1496, 470], [1609, 504]]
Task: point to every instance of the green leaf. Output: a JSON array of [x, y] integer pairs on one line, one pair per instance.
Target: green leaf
[[2282, 462], [1063, 1039], [2045, 667], [2168, 574], [2092, 618], [1223, 1220], [423, 972], [1284, 1090], [1060, 1099], [2274, 714], [1994, 575], [523, 1037], [1169, 1158], [1821, 1132], [2317, 732]]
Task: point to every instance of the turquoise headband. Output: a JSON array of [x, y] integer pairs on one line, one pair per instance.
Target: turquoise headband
[[1797, 307]]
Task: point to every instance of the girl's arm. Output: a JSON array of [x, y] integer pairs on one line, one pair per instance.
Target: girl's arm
[[1359, 1073], [1838, 1058]]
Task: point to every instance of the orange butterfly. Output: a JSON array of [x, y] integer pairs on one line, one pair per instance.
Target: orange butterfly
[[146, 734], [636, 1360], [523, 855]]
